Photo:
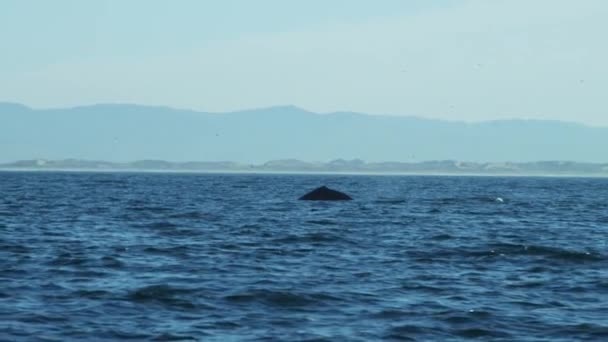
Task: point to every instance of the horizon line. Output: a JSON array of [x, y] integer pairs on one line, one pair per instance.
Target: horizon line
[[354, 160]]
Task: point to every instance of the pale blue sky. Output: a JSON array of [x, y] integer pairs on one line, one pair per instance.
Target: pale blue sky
[[451, 59]]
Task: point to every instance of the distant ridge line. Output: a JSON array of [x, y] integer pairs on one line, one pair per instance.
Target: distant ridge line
[[334, 166], [6, 105], [119, 132]]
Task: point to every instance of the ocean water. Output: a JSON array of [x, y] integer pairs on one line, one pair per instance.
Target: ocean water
[[227, 257]]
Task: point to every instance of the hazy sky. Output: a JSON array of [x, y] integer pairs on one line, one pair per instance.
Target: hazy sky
[[451, 59]]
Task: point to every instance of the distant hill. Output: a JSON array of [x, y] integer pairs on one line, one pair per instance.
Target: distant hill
[[334, 166], [122, 133]]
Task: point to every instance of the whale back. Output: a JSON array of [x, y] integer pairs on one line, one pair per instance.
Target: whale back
[[325, 194]]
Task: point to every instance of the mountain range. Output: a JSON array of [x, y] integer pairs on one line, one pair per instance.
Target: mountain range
[[450, 167], [125, 132]]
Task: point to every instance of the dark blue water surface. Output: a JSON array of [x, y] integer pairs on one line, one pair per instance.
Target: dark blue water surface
[[221, 257]]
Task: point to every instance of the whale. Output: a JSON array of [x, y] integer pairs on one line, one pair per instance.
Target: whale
[[325, 194]]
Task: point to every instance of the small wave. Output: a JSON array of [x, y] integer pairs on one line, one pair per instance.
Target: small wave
[[527, 305], [527, 284], [310, 238], [363, 274], [84, 275], [322, 222], [12, 272], [441, 237], [508, 250], [538, 269], [554, 253], [390, 314], [391, 201], [39, 318], [149, 208], [229, 246], [91, 294], [480, 333], [407, 331], [602, 286], [110, 181], [69, 259], [281, 298], [240, 186], [190, 215], [249, 226], [171, 251], [472, 199], [111, 262], [161, 225], [593, 331], [125, 335], [173, 337], [158, 292], [15, 249], [162, 294], [423, 288]]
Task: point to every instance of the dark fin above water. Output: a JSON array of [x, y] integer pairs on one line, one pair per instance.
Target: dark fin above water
[[325, 194]]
